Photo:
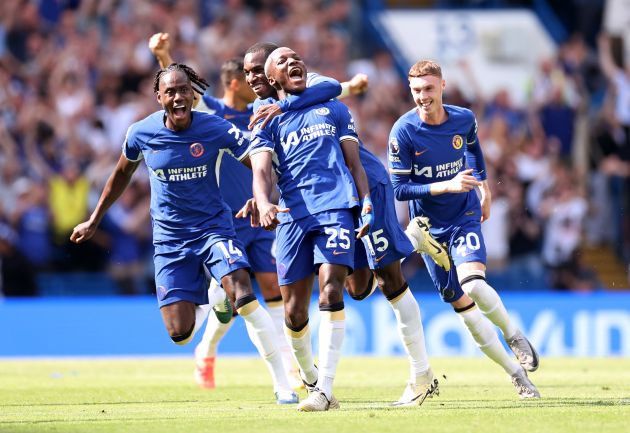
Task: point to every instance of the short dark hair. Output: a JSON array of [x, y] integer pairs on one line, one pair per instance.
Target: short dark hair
[[262, 47], [232, 69], [425, 67]]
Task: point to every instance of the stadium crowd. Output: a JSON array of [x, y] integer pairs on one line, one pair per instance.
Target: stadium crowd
[[75, 74]]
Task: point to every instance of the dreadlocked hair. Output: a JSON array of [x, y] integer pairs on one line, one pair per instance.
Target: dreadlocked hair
[[199, 85]]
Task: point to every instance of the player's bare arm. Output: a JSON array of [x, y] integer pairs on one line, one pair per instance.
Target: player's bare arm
[[463, 182], [262, 186], [116, 184], [485, 200], [355, 86], [160, 47], [350, 149]]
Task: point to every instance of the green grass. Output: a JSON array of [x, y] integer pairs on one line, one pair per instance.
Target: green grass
[[158, 395]]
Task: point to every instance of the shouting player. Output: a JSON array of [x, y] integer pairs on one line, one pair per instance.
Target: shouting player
[[193, 234]]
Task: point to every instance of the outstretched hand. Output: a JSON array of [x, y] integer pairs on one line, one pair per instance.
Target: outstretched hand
[[268, 215], [264, 113], [250, 209]]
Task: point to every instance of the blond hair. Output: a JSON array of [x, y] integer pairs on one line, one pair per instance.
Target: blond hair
[[425, 67]]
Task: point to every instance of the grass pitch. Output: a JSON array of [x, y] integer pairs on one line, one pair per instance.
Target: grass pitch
[[158, 395]]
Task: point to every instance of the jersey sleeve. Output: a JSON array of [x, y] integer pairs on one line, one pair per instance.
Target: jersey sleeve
[[261, 140], [319, 89], [233, 140], [345, 123], [399, 152], [474, 155], [131, 147], [260, 102]]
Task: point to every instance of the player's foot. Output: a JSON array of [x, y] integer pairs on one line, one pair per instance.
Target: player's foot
[[524, 387], [317, 402], [223, 310], [287, 397], [414, 394], [295, 380], [204, 372], [524, 351], [418, 228], [312, 388]]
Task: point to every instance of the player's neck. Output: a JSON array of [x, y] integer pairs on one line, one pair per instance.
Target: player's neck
[[231, 100], [436, 118]]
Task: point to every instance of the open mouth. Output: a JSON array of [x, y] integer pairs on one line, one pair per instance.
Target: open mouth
[[295, 72], [179, 110]]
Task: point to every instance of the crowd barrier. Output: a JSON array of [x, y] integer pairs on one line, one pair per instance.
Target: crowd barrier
[[557, 324]]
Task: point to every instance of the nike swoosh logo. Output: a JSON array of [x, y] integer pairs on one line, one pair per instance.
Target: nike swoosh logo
[[232, 261], [421, 152], [378, 259], [229, 116], [336, 253], [472, 212]]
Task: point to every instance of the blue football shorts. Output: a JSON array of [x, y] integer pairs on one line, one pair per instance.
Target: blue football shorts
[[183, 267], [259, 245], [304, 244], [386, 242], [465, 244]]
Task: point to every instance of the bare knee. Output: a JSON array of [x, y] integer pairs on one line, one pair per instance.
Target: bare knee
[[296, 314], [179, 320]]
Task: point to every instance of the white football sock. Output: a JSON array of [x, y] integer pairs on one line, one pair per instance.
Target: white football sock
[[261, 331], [216, 294], [413, 240], [411, 332], [213, 334], [487, 339], [490, 304], [276, 311], [300, 343], [332, 328]]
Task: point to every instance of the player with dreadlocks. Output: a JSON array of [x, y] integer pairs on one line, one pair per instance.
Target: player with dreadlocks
[[193, 234]]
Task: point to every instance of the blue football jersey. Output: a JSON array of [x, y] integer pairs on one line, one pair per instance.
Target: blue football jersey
[[235, 180], [308, 160], [423, 154], [185, 198]]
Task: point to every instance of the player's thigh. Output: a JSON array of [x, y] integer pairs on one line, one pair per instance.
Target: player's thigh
[[466, 244], [294, 251], [446, 282], [390, 278], [268, 283], [387, 242]]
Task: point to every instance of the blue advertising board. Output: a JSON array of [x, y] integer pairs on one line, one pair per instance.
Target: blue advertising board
[[557, 324]]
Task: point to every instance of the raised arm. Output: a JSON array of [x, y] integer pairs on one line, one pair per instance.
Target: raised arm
[[319, 89], [160, 46], [116, 184]]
